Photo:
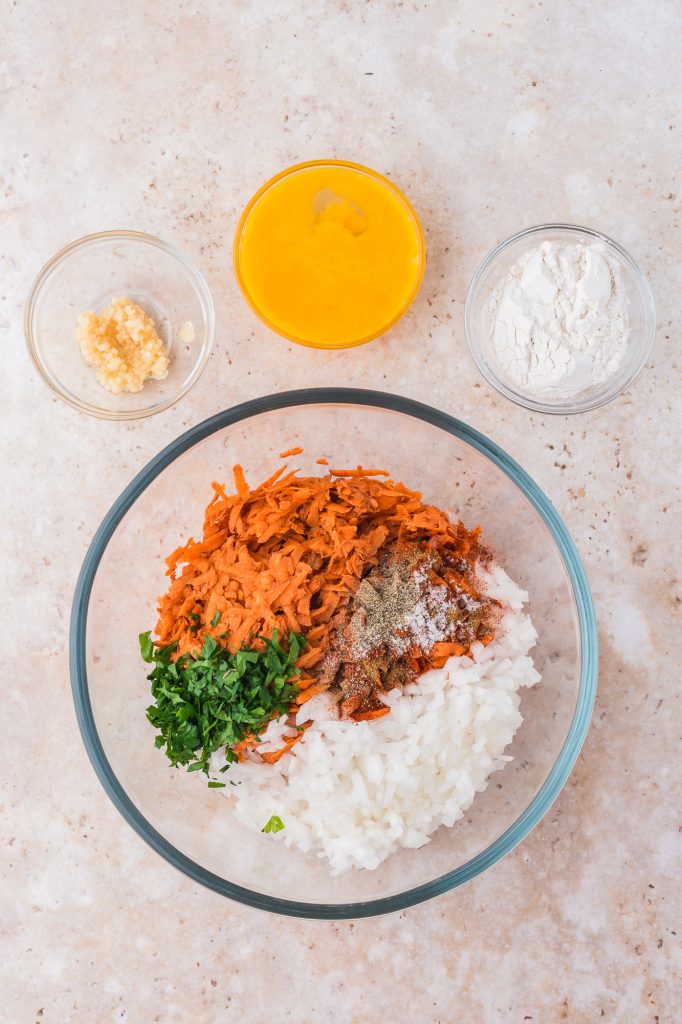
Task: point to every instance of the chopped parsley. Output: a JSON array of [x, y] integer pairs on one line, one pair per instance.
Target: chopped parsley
[[215, 699], [146, 647], [275, 824], [216, 618]]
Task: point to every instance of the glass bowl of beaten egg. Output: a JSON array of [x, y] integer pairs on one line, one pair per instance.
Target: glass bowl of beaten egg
[[329, 254], [168, 295]]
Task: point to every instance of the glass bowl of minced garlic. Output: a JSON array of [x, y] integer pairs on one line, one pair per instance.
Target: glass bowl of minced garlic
[[120, 324]]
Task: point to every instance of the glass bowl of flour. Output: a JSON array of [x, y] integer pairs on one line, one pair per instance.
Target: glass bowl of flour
[[559, 318]]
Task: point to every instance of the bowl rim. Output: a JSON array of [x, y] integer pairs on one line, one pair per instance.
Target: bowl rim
[[558, 773], [565, 408], [294, 169], [60, 257]]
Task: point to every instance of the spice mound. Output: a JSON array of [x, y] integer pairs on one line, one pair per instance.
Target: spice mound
[[421, 605], [123, 345]]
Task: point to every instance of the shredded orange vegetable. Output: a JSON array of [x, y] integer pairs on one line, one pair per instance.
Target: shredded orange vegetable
[[272, 756], [371, 715], [240, 482], [288, 555]]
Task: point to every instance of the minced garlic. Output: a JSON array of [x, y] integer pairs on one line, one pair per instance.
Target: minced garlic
[[122, 343]]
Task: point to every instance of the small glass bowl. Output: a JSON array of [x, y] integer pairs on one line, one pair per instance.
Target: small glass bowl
[[88, 274], [492, 272], [303, 168]]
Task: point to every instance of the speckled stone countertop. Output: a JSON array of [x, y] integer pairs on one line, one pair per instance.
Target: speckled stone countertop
[[492, 116]]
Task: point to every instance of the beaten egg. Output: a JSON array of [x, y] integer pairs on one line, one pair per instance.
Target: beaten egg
[[329, 254]]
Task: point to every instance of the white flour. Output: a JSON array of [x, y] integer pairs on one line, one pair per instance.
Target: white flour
[[560, 319]]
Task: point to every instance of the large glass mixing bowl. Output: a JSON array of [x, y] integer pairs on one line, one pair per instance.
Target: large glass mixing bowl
[[455, 467]]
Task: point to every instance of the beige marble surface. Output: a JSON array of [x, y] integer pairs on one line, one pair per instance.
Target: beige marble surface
[[492, 116]]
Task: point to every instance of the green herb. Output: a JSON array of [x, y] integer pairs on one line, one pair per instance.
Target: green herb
[[275, 824], [216, 618], [193, 615], [146, 647], [216, 785], [215, 699]]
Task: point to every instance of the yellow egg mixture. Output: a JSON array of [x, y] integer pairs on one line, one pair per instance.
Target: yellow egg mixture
[[329, 255]]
